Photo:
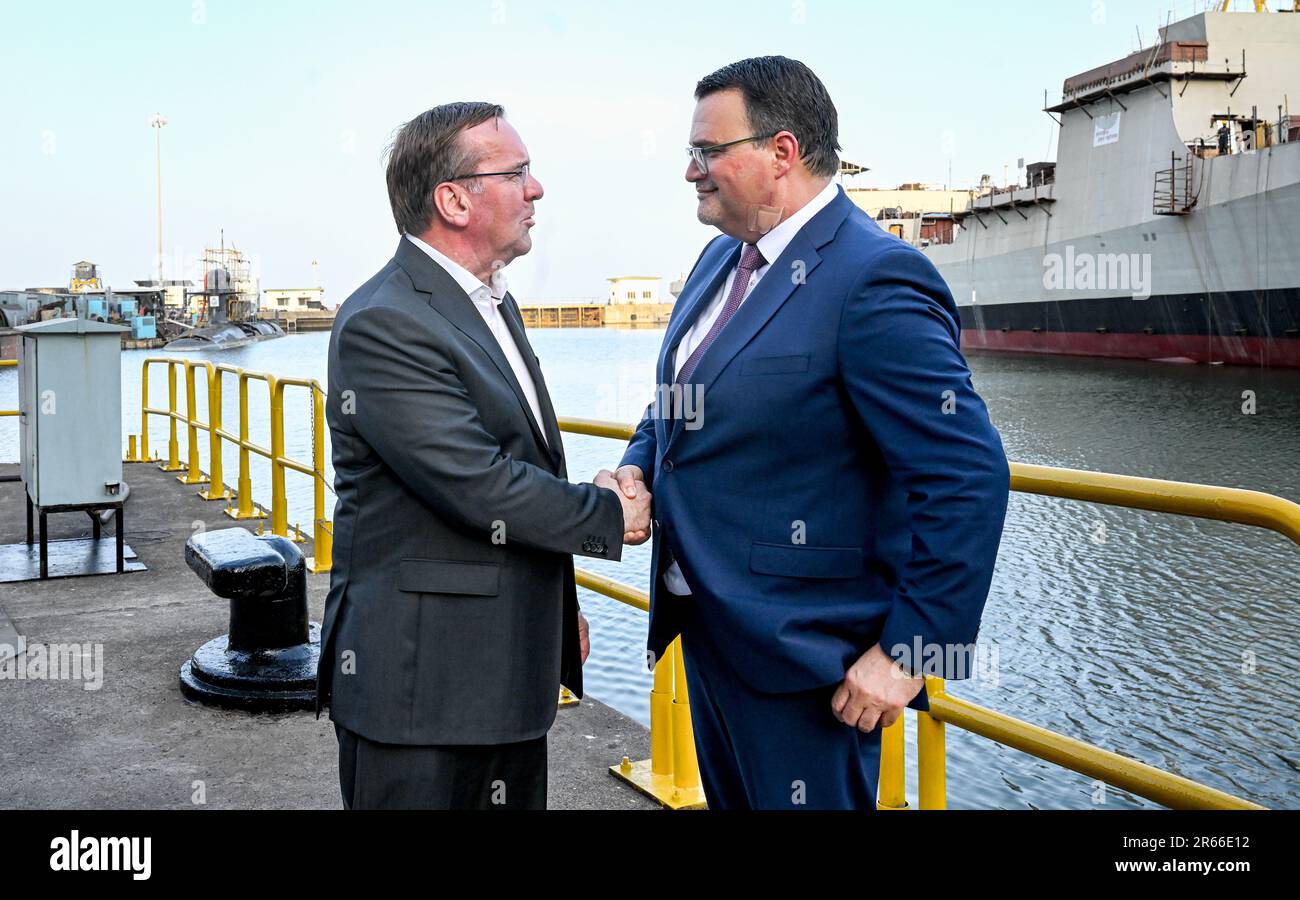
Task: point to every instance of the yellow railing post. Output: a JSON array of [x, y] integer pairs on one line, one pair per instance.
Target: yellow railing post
[[931, 754], [661, 715], [279, 505], [144, 415], [672, 773], [194, 475], [173, 463], [138, 451], [244, 488], [322, 531], [216, 476], [892, 793], [686, 768], [323, 546]]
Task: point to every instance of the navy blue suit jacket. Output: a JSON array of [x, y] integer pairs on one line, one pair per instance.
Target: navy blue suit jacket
[[840, 483]]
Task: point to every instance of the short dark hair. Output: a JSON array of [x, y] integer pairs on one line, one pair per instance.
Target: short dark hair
[[783, 94], [426, 152]]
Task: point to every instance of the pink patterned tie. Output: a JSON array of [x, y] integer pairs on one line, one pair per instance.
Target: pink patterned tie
[[750, 260]]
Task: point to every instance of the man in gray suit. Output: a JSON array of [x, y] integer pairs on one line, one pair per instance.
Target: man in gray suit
[[452, 616]]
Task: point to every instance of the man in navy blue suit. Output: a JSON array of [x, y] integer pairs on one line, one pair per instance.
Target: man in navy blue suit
[[828, 490]]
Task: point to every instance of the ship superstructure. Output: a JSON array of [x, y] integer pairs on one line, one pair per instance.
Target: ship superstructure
[[1168, 228]]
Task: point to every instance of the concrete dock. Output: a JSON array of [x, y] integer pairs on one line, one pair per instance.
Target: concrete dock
[[135, 742]]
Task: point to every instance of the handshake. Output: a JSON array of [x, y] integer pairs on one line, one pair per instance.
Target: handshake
[[629, 483]]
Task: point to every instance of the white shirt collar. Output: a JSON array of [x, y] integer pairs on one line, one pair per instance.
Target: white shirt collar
[[773, 244], [468, 281]]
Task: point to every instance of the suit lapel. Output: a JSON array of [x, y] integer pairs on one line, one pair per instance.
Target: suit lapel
[[515, 322], [450, 300], [695, 297], [702, 285], [787, 272]]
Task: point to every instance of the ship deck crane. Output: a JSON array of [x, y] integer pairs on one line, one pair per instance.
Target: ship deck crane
[[1261, 6]]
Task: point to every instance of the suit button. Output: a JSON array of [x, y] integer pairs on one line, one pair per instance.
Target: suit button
[[667, 465], [654, 522]]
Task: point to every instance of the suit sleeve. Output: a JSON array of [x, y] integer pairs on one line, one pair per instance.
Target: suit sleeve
[[409, 404], [641, 448], [902, 367]]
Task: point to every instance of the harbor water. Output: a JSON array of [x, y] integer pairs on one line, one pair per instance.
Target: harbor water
[[1166, 639]]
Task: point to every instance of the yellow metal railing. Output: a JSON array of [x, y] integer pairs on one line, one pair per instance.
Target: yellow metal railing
[[240, 504], [1201, 501], [671, 775], [4, 363]]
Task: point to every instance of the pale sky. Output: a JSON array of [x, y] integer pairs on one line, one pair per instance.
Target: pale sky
[[278, 113]]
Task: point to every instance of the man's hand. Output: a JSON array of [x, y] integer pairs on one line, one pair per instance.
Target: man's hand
[[629, 484], [584, 635], [874, 691], [631, 481]]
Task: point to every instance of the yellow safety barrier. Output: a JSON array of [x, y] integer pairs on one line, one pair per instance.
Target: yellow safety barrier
[[1181, 498], [3, 364], [138, 451], [1197, 500], [1147, 781], [671, 775]]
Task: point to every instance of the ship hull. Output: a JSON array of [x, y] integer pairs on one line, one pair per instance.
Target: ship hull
[[1260, 328], [1164, 348], [1218, 285], [227, 336]]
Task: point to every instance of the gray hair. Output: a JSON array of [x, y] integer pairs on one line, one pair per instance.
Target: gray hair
[[428, 151]]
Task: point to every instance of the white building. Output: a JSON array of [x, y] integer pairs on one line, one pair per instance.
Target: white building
[[292, 300], [634, 289]]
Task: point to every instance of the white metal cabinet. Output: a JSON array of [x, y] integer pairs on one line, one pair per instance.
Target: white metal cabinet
[[70, 405]]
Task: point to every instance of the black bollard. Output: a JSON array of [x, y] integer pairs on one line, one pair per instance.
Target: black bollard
[[267, 663]]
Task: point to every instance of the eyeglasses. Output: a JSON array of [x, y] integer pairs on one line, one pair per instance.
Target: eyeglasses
[[698, 154], [520, 173]]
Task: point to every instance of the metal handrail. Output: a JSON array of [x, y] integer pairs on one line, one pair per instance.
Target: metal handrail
[[322, 529], [1139, 778], [1180, 498], [673, 760], [3, 364], [1201, 501]]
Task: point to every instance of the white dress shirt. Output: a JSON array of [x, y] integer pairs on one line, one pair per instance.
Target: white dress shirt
[[771, 245], [487, 300]]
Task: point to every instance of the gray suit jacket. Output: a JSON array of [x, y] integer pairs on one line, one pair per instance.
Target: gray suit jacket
[[452, 612]]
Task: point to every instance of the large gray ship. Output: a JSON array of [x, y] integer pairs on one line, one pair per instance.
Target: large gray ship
[[1168, 228]]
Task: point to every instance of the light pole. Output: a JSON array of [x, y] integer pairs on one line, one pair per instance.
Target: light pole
[[157, 123]]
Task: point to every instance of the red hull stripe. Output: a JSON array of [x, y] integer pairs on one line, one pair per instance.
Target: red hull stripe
[[1237, 351]]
